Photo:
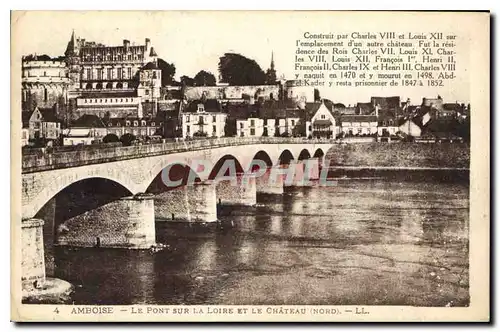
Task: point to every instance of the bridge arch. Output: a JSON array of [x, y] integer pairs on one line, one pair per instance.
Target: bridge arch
[[229, 163], [319, 153], [259, 157], [172, 176], [51, 186], [304, 154], [285, 157]]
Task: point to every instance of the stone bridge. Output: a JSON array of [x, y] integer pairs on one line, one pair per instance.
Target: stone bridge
[[135, 168]]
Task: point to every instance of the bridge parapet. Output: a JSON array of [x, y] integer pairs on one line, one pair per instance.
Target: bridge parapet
[[64, 159]]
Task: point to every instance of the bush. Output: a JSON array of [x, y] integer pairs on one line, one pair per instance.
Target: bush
[[127, 139], [110, 138]]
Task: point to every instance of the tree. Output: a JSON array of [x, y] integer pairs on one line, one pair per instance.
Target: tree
[[271, 76], [167, 72], [110, 138], [204, 78], [236, 69], [127, 139], [187, 81], [317, 96]]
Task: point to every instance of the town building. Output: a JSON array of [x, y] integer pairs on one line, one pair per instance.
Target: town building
[[139, 127], [410, 127], [320, 122], [86, 130], [41, 124], [203, 118], [359, 125]]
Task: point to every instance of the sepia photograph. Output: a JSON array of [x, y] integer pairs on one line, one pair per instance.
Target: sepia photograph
[[244, 165]]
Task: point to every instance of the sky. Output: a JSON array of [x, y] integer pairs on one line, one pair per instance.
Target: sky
[[194, 41]]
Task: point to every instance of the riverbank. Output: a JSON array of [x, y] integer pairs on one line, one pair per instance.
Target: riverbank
[[400, 156]]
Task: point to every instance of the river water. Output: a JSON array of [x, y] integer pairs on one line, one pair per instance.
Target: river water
[[376, 238]]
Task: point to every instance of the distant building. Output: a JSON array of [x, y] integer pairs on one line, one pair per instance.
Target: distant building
[[117, 105], [203, 118], [96, 67], [255, 127], [45, 81], [88, 129], [139, 127], [357, 125], [410, 127], [320, 121]]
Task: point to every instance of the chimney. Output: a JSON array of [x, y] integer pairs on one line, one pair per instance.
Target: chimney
[[148, 44], [126, 44], [376, 111]]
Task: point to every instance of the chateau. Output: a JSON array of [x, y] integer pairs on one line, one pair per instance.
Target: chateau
[[92, 78]]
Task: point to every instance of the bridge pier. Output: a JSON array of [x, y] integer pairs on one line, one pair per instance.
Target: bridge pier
[[128, 222], [306, 172], [35, 286], [33, 257], [240, 191], [203, 202], [271, 182]]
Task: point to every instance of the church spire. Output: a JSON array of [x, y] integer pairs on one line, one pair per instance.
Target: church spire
[[271, 72], [70, 49]]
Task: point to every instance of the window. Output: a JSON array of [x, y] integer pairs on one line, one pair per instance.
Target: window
[[129, 71], [152, 124], [200, 119], [241, 125], [323, 116], [127, 123], [187, 118], [252, 123], [201, 108], [119, 73], [109, 75], [45, 95], [214, 118], [143, 123], [89, 73], [293, 122], [214, 129], [99, 74], [188, 130], [146, 92], [252, 131], [136, 123]]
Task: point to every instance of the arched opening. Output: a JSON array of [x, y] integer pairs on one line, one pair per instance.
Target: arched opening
[[172, 177], [318, 153], [260, 158], [73, 203], [304, 154], [119, 85], [98, 86], [109, 85], [226, 166], [88, 86], [285, 158]]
